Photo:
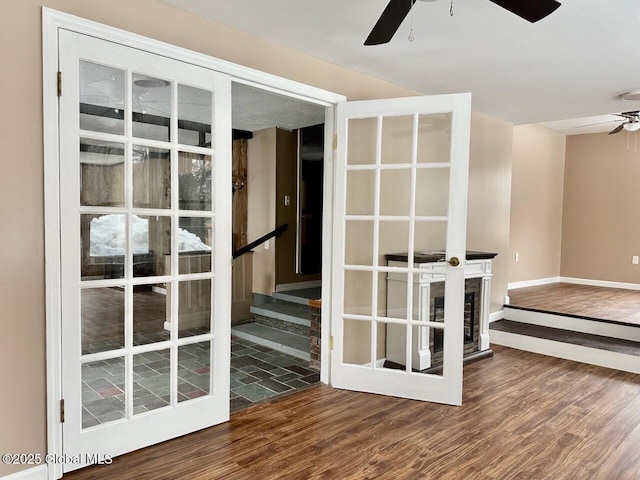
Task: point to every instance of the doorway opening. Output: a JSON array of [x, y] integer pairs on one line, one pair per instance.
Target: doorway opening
[[277, 184]]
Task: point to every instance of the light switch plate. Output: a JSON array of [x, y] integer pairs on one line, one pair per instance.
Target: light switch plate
[[634, 260]]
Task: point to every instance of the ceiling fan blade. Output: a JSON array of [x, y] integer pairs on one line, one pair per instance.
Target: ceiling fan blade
[[617, 129], [389, 22], [530, 10], [598, 123]]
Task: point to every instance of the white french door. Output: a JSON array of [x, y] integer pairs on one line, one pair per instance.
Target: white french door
[[145, 182], [399, 246]]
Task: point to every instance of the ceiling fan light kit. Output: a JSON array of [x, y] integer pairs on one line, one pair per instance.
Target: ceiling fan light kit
[[631, 122], [396, 11], [632, 96]]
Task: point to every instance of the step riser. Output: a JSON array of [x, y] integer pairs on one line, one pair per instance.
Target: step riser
[[276, 346], [288, 314], [562, 322], [283, 325], [264, 312], [567, 351]]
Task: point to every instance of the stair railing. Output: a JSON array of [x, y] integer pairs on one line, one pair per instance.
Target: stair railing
[[250, 246]]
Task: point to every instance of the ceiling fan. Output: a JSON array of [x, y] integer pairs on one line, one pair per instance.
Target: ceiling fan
[[396, 11], [631, 122]]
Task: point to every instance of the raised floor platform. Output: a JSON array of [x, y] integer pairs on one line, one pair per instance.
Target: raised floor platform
[[588, 324], [615, 305]]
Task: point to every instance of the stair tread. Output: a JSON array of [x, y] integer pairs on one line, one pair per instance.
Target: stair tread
[[288, 339], [567, 336], [301, 296]]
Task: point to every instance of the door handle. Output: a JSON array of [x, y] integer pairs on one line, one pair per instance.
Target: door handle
[[454, 261]]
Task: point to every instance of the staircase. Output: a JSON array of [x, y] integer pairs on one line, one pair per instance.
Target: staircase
[[588, 340], [282, 322]]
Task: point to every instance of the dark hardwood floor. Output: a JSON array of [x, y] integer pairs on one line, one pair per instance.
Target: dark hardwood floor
[[600, 303], [525, 416]]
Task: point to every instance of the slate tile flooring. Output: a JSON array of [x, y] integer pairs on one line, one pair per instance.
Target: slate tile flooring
[[103, 382], [257, 373]]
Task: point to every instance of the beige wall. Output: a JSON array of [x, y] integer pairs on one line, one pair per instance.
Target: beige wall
[[601, 224], [22, 347], [261, 208], [490, 196], [536, 203]]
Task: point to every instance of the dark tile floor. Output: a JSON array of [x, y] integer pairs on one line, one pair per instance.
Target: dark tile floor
[[103, 382], [257, 373]]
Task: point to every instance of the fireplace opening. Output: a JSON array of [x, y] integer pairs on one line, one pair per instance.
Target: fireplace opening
[[469, 320]]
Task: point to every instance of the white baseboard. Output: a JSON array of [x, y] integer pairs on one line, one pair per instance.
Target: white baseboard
[[567, 351], [532, 283], [577, 281], [35, 473], [285, 287], [495, 316], [600, 283]]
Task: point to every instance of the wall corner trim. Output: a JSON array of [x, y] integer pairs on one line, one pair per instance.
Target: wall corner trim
[[34, 473], [533, 283], [600, 283]]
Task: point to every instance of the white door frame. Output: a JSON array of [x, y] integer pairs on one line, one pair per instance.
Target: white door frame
[[52, 21]]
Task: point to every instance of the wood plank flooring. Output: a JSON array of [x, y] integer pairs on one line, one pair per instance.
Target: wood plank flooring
[[525, 416], [600, 303]]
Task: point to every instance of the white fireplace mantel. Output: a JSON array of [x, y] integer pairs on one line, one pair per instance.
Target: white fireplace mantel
[[432, 271]]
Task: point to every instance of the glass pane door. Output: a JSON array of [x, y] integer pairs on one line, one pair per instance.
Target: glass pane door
[[145, 201], [400, 246]]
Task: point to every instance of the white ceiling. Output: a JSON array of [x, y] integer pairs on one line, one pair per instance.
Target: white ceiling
[[584, 125], [254, 109], [571, 64]]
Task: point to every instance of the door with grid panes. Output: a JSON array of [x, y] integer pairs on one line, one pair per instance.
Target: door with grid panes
[[399, 246], [145, 197]]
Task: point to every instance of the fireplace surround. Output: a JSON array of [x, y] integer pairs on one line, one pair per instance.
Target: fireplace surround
[[429, 305]]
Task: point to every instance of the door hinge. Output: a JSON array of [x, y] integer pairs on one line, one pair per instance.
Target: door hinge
[[335, 142], [331, 342], [59, 84], [62, 411]]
